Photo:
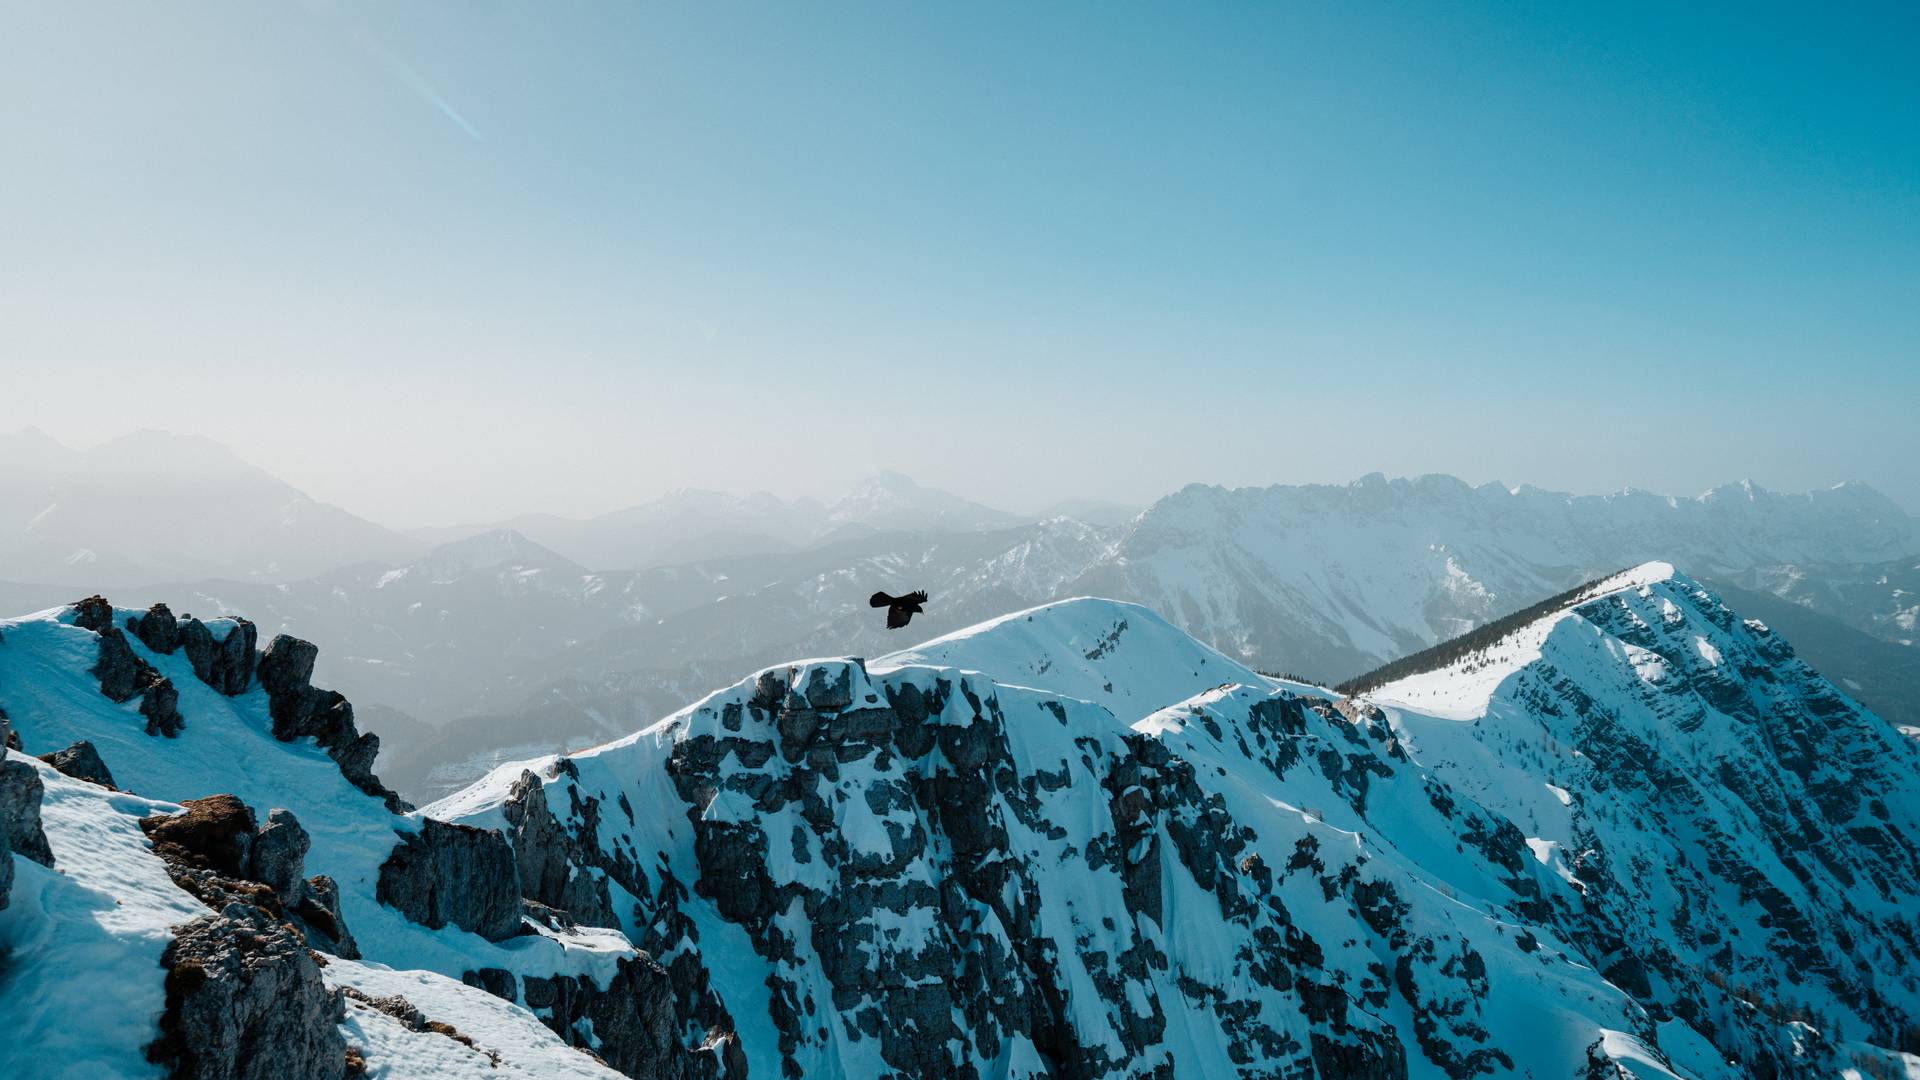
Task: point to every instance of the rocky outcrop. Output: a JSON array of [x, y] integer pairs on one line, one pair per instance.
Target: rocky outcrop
[[318, 913], [226, 663], [123, 676], [631, 1018], [244, 996], [278, 856], [300, 710], [454, 875], [20, 792], [245, 1002], [94, 613], [213, 851], [213, 834], [157, 629], [82, 762], [552, 868]]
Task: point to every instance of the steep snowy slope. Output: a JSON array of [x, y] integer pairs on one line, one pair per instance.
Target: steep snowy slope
[[1745, 838], [403, 903]]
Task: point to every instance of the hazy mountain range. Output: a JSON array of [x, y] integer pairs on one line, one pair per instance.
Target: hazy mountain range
[[502, 643]]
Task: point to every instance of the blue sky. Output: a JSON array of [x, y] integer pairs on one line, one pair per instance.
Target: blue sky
[[440, 261]]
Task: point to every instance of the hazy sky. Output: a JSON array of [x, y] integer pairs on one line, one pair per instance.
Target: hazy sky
[[438, 261]]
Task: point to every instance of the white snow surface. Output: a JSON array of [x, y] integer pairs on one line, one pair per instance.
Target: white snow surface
[[1122, 656]]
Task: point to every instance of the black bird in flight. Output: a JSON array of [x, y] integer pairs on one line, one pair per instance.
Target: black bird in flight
[[900, 609]]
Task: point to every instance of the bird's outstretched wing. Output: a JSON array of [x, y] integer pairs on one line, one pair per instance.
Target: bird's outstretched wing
[[916, 597], [880, 599]]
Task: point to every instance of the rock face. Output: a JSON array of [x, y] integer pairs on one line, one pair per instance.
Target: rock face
[[319, 914], [6, 871], [226, 664], [454, 875], [123, 675], [551, 866], [245, 1002], [157, 629], [278, 856], [300, 710], [632, 1018], [82, 762], [20, 791], [214, 834]]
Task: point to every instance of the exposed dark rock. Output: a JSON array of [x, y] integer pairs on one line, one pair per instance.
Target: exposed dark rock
[[496, 981], [6, 870], [454, 875], [123, 675], [159, 703], [94, 613], [158, 629], [279, 856], [286, 665], [226, 664], [632, 1019], [300, 710], [318, 910], [20, 791], [213, 851], [82, 762], [551, 869], [214, 833], [245, 1002]]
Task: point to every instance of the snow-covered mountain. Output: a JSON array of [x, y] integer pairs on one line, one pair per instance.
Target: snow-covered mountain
[[1333, 580], [1743, 838], [1629, 835], [155, 507], [1634, 837]]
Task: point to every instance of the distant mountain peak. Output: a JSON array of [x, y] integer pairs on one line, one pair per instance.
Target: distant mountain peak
[[490, 549], [892, 500]]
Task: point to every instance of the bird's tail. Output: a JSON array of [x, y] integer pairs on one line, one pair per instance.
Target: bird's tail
[[880, 599]]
